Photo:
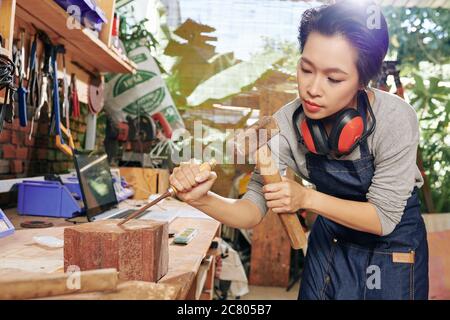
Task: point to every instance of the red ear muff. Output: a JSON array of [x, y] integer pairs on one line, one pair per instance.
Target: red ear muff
[[347, 132], [314, 136]]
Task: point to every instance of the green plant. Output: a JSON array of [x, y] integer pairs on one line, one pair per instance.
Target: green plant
[[419, 41], [418, 34], [135, 33], [431, 100], [290, 51], [234, 79]]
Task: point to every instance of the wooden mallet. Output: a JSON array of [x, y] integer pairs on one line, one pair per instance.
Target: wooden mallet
[[268, 169]]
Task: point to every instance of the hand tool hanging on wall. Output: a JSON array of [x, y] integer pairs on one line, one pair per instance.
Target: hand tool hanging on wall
[[161, 119], [21, 91], [43, 100], [59, 127], [48, 51], [65, 92], [172, 191], [95, 92], [74, 96], [389, 68], [32, 75], [7, 70], [43, 80], [33, 81], [141, 128]]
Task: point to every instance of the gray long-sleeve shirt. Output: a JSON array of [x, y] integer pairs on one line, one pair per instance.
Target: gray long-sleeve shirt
[[393, 145]]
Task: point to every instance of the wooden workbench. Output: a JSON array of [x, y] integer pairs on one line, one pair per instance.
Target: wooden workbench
[[191, 267]]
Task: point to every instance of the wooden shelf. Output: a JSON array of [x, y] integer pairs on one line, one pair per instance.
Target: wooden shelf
[[87, 50]]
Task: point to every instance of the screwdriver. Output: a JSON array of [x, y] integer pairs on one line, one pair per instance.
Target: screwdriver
[[172, 191]]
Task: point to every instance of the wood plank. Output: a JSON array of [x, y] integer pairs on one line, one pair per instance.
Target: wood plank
[[7, 16], [44, 285], [108, 6], [129, 290], [203, 276]]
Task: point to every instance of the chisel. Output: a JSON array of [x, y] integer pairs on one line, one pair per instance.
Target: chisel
[[172, 191]]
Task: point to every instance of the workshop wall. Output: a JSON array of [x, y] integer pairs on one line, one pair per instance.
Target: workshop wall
[[24, 157]]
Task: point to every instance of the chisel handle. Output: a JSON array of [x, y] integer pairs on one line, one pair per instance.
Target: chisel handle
[[290, 222], [205, 166], [22, 93]]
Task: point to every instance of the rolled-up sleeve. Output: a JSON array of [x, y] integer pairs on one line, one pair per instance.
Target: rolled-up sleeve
[[395, 151]]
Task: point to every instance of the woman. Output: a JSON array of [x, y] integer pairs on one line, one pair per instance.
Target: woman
[[358, 146]]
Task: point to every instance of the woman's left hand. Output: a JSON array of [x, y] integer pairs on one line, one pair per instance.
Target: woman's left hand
[[287, 196]]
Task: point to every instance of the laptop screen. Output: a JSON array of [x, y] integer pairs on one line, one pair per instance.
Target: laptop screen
[[96, 183]]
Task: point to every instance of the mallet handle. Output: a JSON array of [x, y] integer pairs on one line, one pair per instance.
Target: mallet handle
[[270, 174]]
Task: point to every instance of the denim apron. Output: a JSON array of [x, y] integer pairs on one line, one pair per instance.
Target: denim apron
[[343, 263]]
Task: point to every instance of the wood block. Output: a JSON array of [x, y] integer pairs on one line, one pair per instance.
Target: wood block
[[139, 249]]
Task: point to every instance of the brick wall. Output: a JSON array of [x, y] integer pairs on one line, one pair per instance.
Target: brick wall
[[23, 157]]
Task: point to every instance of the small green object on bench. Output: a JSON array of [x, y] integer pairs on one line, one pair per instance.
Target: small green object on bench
[[185, 236]]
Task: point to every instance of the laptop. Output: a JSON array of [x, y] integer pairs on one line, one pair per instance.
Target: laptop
[[97, 187]]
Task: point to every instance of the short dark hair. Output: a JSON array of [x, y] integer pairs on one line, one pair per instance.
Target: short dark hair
[[350, 20]]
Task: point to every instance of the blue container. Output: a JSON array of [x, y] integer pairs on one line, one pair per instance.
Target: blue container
[[88, 11], [46, 198], [73, 185]]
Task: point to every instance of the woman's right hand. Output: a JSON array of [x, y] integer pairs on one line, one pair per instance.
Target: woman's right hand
[[191, 183]]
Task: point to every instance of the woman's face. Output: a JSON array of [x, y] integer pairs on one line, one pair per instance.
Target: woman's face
[[327, 76]]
